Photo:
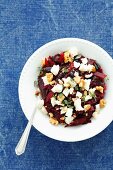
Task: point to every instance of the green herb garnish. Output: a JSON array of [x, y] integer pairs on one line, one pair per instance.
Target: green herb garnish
[[83, 98], [92, 95], [64, 70]]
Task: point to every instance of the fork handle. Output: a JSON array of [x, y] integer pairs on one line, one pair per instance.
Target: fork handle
[[20, 148]]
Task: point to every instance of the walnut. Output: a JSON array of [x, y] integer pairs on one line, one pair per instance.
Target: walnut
[[51, 114], [62, 118], [49, 77], [52, 82], [82, 83], [61, 97], [66, 85], [85, 93], [43, 63], [53, 121], [67, 57], [100, 88], [93, 69], [87, 107], [102, 103], [77, 79]]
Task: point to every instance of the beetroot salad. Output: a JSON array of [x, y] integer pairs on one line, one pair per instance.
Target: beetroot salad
[[72, 88]]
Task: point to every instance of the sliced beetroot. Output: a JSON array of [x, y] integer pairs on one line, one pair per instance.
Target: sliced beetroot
[[68, 70], [91, 61], [100, 75], [41, 87], [59, 58], [79, 121], [50, 61], [49, 96]]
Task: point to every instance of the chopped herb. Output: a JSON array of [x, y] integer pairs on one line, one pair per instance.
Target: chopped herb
[[83, 98], [76, 88], [64, 70], [65, 102], [92, 95]]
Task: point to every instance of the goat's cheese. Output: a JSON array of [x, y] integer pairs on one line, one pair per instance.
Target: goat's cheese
[[84, 67], [55, 102], [88, 75], [76, 74], [68, 120], [46, 82], [57, 88], [69, 112], [66, 92], [76, 64], [78, 94], [84, 60], [63, 109], [77, 104], [87, 84], [55, 69], [88, 97]]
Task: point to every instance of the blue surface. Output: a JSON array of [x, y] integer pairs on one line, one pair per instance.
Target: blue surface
[[25, 25]]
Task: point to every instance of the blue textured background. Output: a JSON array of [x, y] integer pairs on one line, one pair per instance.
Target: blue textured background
[[25, 25]]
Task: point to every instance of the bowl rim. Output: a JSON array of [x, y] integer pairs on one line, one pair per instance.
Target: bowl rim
[[40, 49]]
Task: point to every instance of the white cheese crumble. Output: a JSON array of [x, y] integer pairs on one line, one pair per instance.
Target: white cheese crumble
[[76, 64], [71, 90], [84, 60], [78, 94], [88, 75], [57, 88], [63, 109], [97, 110], [92, 91], [95, 115], [55, 102], [84, 67], [73, 51], [66, 92], [76, 74], [40, 103], [88, 97], [87, 84], [55, 69], [68, 120], [69, 81], [45, 80], [69, 112], [77, 104]]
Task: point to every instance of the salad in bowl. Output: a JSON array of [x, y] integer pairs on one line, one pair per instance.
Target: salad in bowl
[[71, 87]]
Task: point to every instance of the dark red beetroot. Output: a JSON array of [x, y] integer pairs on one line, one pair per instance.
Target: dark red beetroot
[[49, 96], [67, 69], [91, 61], [79, 121], [100, 75], [49, 62], [59, 58]]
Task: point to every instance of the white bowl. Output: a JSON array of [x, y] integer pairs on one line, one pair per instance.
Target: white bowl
[[27, 90]]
